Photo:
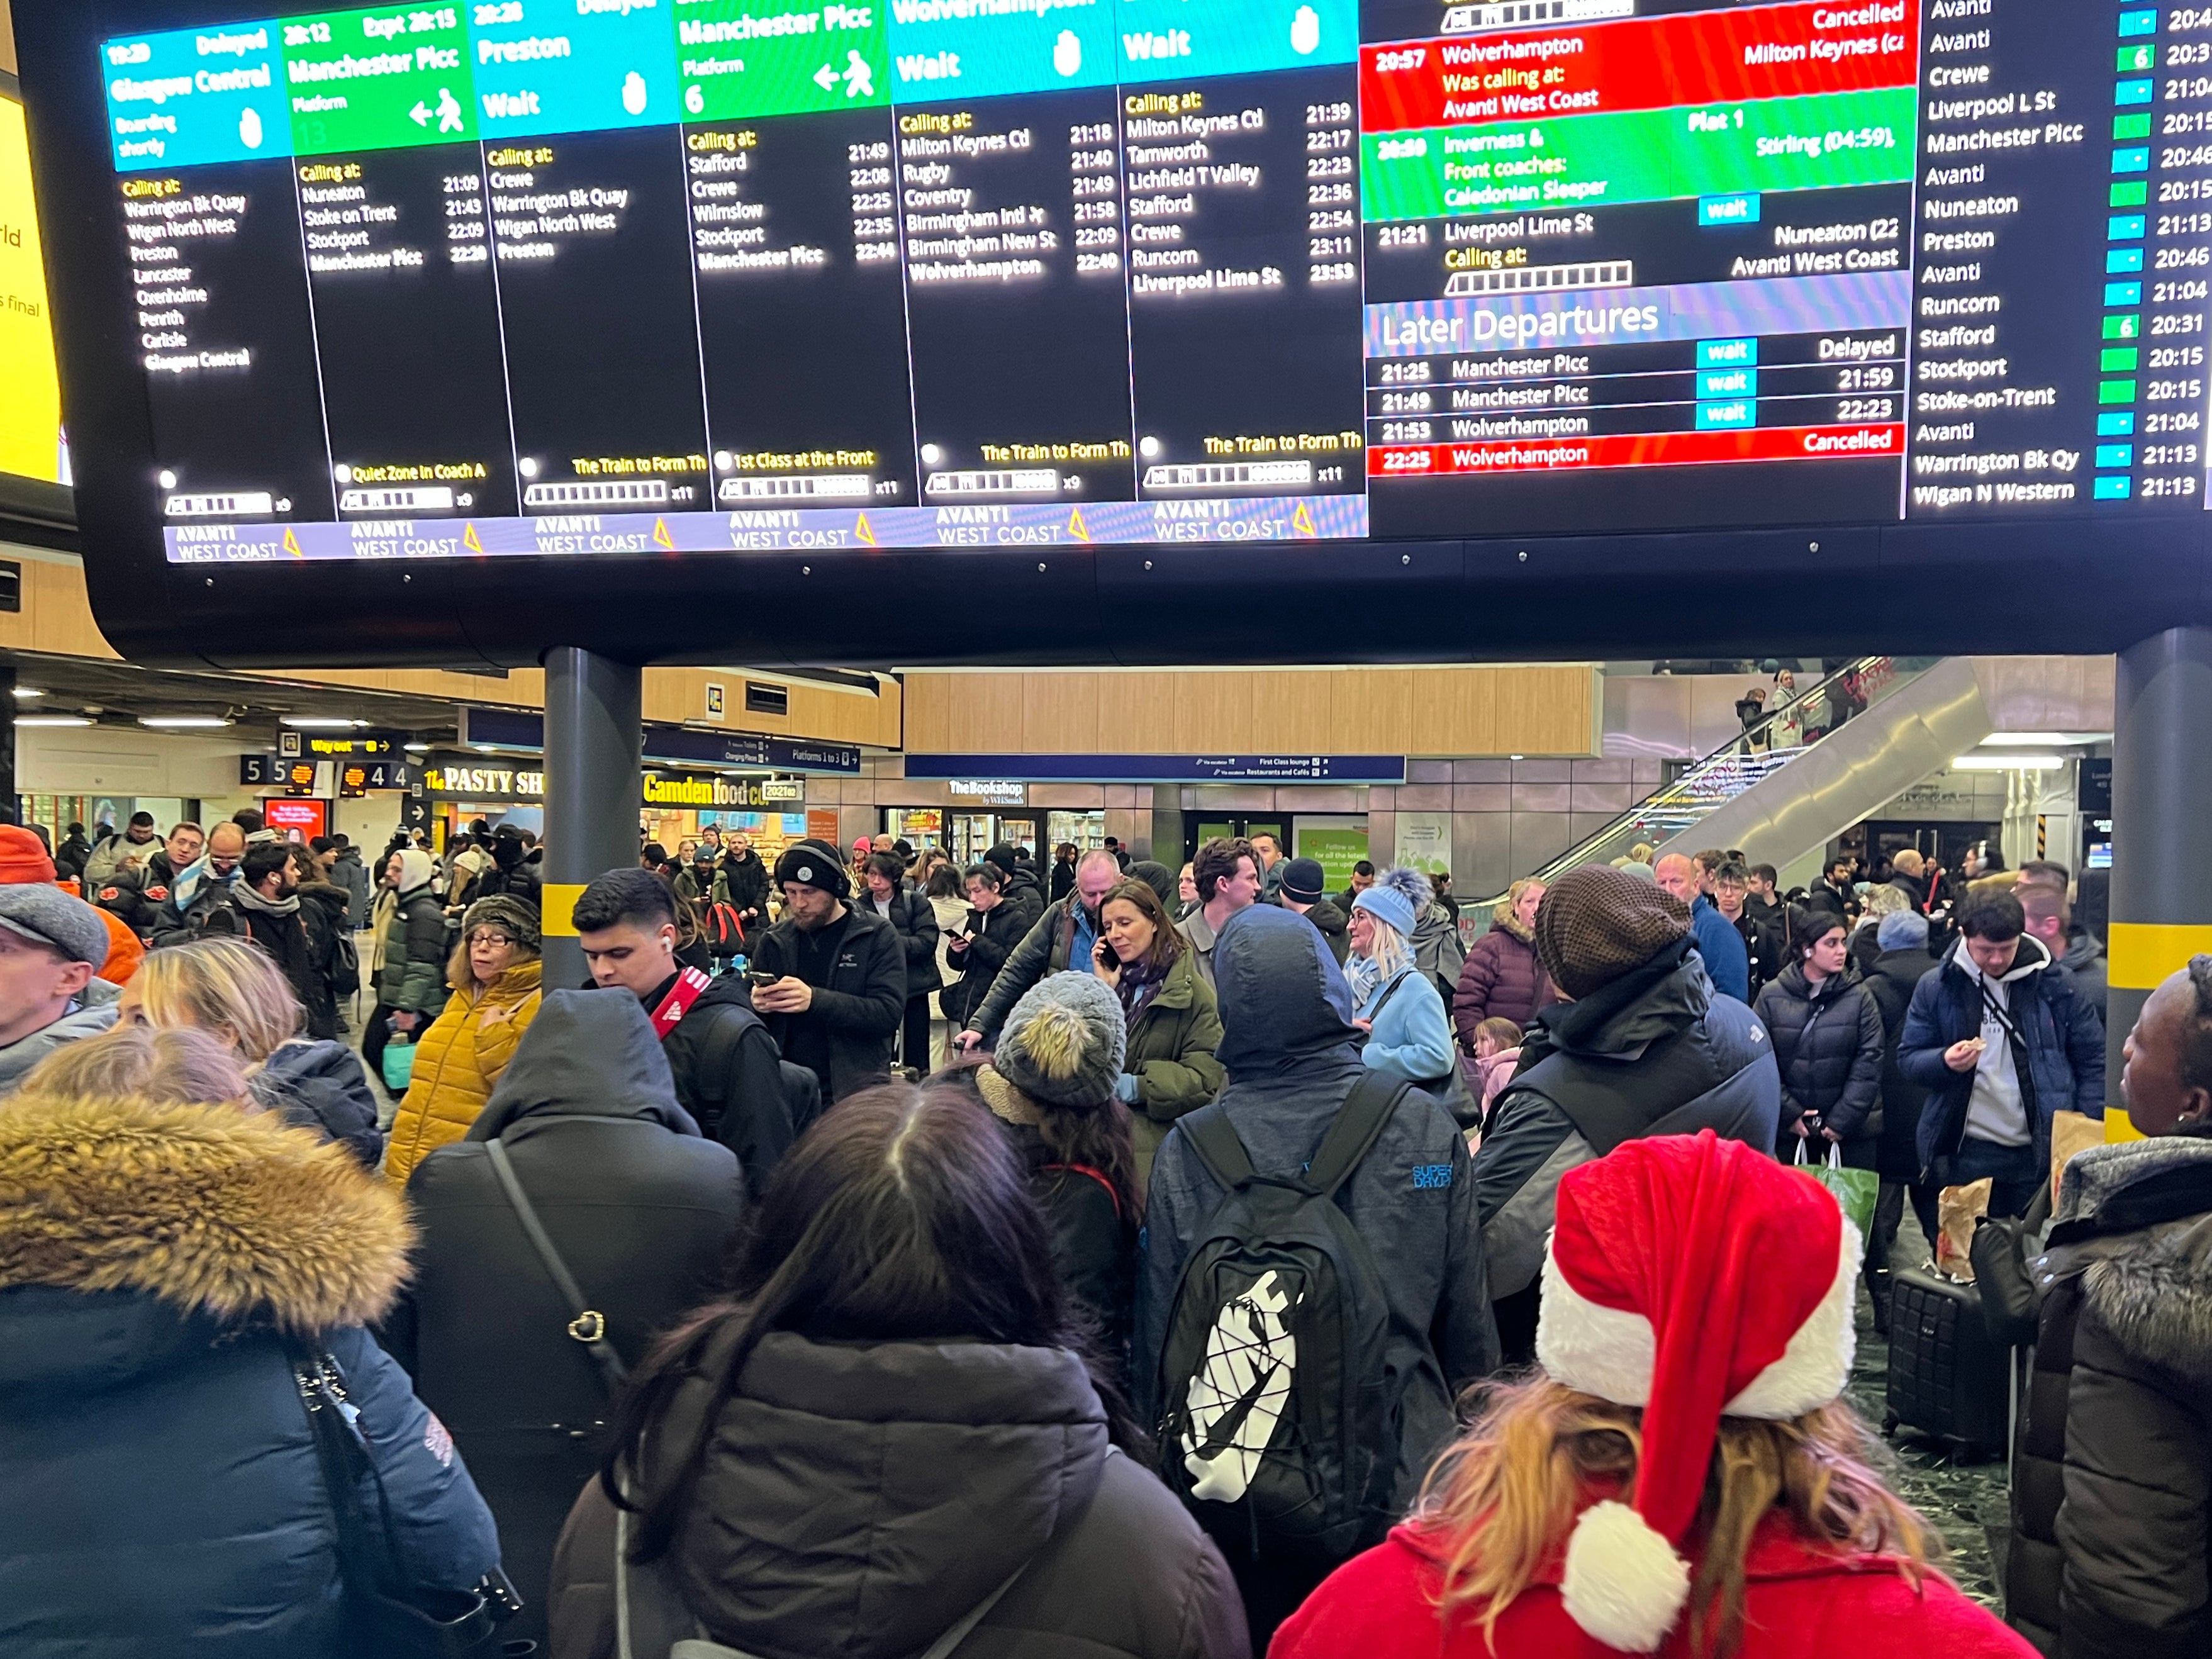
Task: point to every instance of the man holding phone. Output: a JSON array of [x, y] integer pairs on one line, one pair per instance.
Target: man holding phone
[[1063, 939], [728, 1074], [839, 989], [2002, 1040]]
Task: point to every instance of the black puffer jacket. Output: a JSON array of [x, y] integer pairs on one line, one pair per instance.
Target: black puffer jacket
[[992, 935], [859, 1498], [915, 924], [2112, 1465], [639, 1206], [1827, 1041], [1895, 973], [1657, 1052]]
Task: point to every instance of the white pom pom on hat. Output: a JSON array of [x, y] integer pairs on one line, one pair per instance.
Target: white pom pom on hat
[[1668, 1286]]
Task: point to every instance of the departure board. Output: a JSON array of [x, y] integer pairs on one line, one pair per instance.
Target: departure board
[[640, 276]]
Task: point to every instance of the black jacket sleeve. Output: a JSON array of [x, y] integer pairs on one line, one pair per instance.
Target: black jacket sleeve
[[919, 936], [756, 1121], [1862, 1088], [1024, 967], [1465, 1333]]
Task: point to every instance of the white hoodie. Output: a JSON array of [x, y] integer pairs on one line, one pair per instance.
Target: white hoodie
[[1997, 1111]]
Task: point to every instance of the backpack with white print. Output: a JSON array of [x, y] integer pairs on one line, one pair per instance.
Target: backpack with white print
[[1276, 1423]]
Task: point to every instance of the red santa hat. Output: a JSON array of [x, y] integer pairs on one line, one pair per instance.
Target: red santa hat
[[1698, 1278]]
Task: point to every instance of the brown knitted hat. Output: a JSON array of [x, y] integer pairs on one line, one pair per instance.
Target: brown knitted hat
[[1597, 922]]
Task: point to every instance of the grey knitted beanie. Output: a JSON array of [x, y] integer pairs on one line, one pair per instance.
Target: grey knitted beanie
[[1063, 1042]]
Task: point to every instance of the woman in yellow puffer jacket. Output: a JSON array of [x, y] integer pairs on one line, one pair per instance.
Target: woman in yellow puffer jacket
[[495, 974]]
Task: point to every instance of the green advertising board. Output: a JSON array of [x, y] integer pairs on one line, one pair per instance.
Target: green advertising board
[[1338, 847]]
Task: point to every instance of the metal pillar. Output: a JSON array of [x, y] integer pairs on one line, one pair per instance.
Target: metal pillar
[[2161, 828], [594, 737]]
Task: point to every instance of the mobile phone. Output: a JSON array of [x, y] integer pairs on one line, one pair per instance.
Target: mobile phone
[[756, 976]]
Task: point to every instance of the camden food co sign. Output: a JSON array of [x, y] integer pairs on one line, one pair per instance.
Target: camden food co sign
[[464, 779]]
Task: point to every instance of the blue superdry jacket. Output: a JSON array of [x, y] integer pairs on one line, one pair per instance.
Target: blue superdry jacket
[[1288, 1044]]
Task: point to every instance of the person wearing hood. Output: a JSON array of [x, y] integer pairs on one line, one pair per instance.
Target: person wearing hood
[[498, 983], [1050, 1083], [1905, 960], [639, 1207], [1826, 1031], [509, 872], [1063, 938], [167, 1268], [1168, 1067], [51, 946], [410, 985], [1643, 1046], [346, 870], [1503, 978], [889, 1431], [2001, 1042], [2113, 1457], [1023, 891], [1683, 1476], [1291, 1054], [724, 1059], [233, 991], [1303, 891]]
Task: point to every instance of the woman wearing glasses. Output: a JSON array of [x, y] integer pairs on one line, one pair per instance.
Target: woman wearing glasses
[[495, 974]]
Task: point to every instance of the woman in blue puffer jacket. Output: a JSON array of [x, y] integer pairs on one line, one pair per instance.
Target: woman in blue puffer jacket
[[161, 1264], [1400, 1009]]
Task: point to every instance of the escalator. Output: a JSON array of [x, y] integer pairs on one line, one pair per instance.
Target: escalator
[[1810, 768]]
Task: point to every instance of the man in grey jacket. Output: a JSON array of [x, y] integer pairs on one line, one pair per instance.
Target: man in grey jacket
[[1292, 1056]]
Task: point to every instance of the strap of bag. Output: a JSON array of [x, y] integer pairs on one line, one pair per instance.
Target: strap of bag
[[711, 1075], [589, 1326], [1214, 1138], [1366, 1112], [1098, 1176]]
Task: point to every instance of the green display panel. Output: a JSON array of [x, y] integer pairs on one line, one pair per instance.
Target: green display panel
[[1640, 155], [738, 58], [378, 79]]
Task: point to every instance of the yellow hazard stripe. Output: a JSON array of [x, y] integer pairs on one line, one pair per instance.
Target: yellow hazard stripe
[[2143, 953], [557, 909]]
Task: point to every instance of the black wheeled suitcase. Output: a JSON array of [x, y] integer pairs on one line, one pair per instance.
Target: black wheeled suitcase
[[1947, 1377]]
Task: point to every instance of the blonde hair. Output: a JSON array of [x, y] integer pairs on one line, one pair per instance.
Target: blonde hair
[[1507, 1493], [1504, 907], [1641, 852], [222, 986], [183, 1067], [1883, 901]]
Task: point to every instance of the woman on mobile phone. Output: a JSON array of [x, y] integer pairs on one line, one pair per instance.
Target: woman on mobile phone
[[1174, 1024]]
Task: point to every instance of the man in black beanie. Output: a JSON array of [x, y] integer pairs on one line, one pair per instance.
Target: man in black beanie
[[840, 990], [1645, 1046]]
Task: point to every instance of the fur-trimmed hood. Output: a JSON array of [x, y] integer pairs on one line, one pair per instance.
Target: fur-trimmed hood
[[2156, 1299], [215, 1210], [2140, 1212]]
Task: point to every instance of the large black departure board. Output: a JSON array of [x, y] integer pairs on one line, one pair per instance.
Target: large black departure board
[[641, 277]]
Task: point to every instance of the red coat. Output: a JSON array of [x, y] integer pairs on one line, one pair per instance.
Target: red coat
[[1800, 1604]]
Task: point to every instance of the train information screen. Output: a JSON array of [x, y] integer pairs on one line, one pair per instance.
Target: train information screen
[[604, 277]]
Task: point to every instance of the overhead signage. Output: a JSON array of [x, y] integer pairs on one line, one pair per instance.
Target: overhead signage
[[2093, 785], [276, 772], [488, 780], [989, 791], [519, 729], [1164, 768], [335, 745], [782, 789], [297, 820]]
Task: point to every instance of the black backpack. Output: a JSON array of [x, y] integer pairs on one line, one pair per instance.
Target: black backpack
[[1276, 1423]]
